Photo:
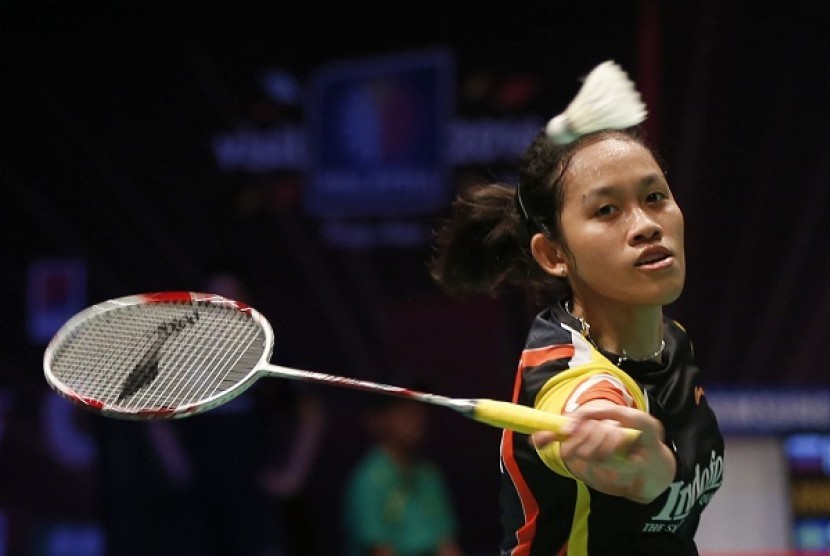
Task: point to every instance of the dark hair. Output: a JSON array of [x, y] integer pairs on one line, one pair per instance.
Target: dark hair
[[484, 244]]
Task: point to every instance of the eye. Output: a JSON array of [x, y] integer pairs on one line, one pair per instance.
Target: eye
[[656, 197], [605, 210]]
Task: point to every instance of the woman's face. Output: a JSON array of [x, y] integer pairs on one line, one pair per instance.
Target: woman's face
[[622, 227]]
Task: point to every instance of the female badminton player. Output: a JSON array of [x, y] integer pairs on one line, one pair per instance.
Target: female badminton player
[[593, 223]]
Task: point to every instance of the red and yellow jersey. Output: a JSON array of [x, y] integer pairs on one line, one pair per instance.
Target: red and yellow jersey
[[545, 510]]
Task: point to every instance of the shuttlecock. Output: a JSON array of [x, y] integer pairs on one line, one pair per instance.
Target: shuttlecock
[[606, 100]]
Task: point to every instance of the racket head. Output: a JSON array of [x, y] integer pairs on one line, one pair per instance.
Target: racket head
[[158, 355]]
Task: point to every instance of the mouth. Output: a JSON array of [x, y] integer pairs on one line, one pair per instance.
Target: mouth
[[657, 257]]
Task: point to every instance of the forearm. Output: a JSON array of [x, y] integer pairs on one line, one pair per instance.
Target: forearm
[[654, 477]]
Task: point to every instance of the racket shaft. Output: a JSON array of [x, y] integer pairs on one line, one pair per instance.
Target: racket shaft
[[527, 420], [500, 414]]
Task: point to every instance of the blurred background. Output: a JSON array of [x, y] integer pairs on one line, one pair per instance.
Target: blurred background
[[309, 149]]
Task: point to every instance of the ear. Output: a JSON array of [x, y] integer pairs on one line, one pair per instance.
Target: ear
[[549, 255]]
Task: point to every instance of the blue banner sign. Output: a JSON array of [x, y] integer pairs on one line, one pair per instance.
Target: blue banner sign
[[770, 410], [378, 135]]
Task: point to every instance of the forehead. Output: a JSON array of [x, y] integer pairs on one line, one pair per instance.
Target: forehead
[[610, 161]]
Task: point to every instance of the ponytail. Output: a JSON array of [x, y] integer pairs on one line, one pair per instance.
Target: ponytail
[[484, 246]]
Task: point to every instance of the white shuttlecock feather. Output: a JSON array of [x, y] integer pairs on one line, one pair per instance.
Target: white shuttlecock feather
[[606, 100]]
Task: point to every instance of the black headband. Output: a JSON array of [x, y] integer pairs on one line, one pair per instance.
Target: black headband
[[534, 224]]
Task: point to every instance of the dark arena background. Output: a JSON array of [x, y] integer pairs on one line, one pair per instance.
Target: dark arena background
[[144, 147]]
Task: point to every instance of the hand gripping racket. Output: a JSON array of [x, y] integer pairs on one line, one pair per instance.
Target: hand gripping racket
[[173, 354]]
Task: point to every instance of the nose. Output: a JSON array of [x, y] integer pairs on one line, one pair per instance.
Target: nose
[[644, 227]]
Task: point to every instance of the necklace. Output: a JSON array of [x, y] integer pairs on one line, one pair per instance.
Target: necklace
[[586, 332]]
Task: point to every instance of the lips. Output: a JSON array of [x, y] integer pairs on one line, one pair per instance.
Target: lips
[[653, 256]]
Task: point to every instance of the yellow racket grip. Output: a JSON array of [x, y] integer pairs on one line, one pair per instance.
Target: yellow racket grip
[[523, 419]]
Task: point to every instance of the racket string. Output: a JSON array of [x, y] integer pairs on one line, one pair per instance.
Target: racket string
[[175, 353], [103, 338], [178, 387], [160, 316], [214, 358], [199, 380]]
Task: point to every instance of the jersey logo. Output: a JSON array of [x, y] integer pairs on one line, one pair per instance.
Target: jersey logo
[[683, 496]]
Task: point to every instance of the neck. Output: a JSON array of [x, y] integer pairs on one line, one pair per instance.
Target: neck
[[634, 333]]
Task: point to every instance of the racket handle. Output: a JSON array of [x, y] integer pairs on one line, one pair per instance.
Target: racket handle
[[523, 419]]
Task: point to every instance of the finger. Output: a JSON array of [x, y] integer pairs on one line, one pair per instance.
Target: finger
[[625, 416], [541, 439], [603, 440], [583, 441], [598, 441]]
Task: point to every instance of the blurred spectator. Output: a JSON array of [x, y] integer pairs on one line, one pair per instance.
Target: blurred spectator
[[397, 502], [227, 481]]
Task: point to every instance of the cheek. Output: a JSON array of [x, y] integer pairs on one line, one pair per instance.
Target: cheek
[[678, 233], [593, 260], [595, 246]]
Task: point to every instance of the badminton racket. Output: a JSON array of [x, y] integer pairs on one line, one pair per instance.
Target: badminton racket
[[174, 354]]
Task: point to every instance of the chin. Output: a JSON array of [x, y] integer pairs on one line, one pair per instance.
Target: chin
[[662, 293], [673, 294]]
